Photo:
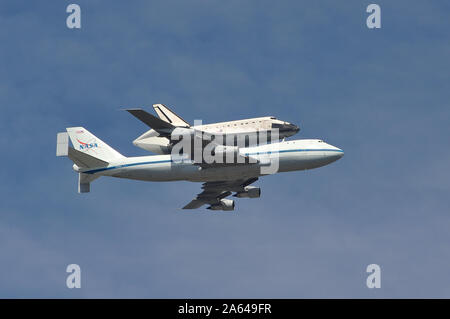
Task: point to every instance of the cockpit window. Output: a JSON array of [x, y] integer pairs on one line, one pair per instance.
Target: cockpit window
[[273, 118]]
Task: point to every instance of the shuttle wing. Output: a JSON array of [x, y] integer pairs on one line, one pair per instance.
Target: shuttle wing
[[214, 192]]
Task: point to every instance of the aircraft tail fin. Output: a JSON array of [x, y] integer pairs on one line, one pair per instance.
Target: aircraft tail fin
[[88, 152], [89, 148], [169, 116]]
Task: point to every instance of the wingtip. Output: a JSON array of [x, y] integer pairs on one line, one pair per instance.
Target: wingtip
[[131, 109]]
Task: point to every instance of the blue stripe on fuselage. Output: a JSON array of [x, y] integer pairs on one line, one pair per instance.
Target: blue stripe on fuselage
[[168, 161], [298, 150]]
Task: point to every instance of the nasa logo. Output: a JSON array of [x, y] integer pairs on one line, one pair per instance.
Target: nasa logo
[[86, 146]]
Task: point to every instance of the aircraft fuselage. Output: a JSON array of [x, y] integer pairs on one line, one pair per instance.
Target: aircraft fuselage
[[283, 157]]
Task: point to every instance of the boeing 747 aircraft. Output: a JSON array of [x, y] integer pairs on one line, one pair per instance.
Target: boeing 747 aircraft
[[94, 158], [152, 141]]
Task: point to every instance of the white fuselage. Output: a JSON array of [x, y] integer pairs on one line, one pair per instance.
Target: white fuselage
[[287, 156]]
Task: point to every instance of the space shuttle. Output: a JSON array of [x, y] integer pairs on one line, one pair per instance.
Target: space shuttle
[[156, 142]]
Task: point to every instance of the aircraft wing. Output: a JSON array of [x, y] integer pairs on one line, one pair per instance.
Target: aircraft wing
[[214, 192]]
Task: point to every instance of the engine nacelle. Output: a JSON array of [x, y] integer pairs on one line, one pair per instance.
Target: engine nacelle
[[225, 204], [249, 192]]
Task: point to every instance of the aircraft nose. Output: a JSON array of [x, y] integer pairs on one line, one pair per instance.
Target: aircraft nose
[[333, 153], [334, 156], [337, 154]]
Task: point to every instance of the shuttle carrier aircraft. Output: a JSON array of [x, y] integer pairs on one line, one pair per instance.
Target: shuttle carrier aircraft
[[94, 158]]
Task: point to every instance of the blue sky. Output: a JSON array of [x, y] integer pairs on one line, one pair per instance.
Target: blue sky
[[380, 95]]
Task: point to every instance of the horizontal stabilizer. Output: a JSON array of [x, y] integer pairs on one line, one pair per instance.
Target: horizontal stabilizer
[[84, 182], [85, 160], [62, 144]]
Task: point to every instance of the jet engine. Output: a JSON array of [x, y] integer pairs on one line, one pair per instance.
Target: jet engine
[[225, 204], [249, 192]]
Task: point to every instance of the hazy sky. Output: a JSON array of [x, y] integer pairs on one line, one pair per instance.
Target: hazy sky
[[380, 95]]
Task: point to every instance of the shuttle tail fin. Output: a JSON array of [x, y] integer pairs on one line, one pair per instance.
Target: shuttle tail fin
[[169, 116]]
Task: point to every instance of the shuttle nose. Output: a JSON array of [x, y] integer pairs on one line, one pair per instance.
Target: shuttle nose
[[295, 128], [286, 128]]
